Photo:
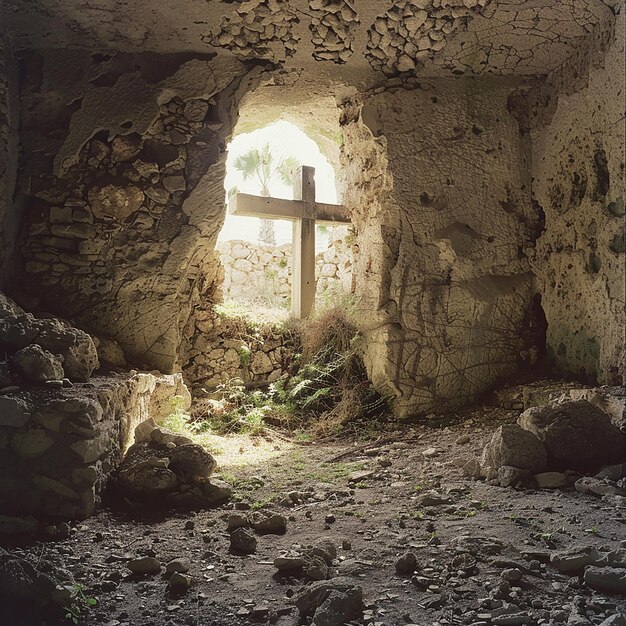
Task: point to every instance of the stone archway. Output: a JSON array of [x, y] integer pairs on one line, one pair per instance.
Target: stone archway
[[118, 237], [212, 353]]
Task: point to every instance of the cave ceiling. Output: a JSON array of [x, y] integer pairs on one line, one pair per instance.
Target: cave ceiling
[[349, 37]]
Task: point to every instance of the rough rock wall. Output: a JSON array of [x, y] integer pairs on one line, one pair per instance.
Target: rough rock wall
[[260, 273], [441, 204], [59, 447], [578, 180], [8, 157], [123, 188]]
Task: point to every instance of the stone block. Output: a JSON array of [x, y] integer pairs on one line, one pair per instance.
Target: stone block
[[82, 215], [13, 412], [60, 215], [114, 201], [35, 364], [174, 183], [31, 443], [90, 247], [75, 230]]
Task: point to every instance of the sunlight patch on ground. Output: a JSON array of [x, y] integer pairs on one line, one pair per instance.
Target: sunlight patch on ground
[[239, 451], [255, 313], [230, 450]]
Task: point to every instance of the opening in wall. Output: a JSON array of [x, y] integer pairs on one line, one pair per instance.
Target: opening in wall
[[260, 253]]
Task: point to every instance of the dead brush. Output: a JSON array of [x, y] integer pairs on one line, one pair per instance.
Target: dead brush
[[332, 331], [331, 387]]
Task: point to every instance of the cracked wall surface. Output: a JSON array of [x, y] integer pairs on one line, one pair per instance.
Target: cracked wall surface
[[333, 28], [410, 33], [444, 224], [261, 29], [8, 157], [354, 40], [578, 180], [125, 200]]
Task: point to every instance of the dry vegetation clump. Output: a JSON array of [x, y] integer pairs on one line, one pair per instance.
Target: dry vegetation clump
[[331, 387], [327, 389]]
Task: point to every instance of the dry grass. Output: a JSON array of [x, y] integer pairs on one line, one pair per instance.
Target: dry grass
[[332, 330]]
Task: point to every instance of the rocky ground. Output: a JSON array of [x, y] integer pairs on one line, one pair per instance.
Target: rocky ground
[[381, 531]]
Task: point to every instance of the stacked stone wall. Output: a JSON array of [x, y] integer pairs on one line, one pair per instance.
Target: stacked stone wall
[[227, 348], [59, 446], [261, 274]]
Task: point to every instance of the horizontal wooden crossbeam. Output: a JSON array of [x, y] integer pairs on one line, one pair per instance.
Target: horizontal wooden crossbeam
[[277, 208]]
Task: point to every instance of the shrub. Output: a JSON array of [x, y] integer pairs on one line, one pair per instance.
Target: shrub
[[331, 387]]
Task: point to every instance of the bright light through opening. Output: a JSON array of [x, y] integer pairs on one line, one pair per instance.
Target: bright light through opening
[[284, 140]]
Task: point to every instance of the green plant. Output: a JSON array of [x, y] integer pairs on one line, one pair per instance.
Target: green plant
[[265, 501], [79, 603], [331, 387], [177, 403], [260, 164], [244, 356]]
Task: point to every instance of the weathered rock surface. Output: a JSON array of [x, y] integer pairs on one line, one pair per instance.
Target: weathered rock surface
[[330, 603], [145, 566], [574, 560], [551, 480], [73, 352], [242, 541], [168, 471], [36, 365], [588, 484], [607, 579], [577, 435], [59, 446], [513, 446]]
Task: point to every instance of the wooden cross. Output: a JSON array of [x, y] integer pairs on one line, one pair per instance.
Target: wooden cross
[[303, 211]]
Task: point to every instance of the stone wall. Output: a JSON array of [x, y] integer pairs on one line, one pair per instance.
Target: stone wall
[[226, 348], [58, 447], [578, 181], [122, 184], [441, 204], [261, 274], [62, 431], [8, 156]]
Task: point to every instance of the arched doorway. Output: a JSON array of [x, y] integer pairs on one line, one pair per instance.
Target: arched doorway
[[256, 253]]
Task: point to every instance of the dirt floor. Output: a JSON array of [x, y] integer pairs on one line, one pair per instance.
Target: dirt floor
[[370, 494]]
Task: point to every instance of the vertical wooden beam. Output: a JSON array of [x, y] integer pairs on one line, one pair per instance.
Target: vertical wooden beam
[[303, 262]]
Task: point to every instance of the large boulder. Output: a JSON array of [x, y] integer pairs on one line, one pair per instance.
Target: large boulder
[[36, 365], [80, 357], [16, 330], [330, 602], [513, 446], [191, 460], [166, 470], [19, 330], [577, 434]]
